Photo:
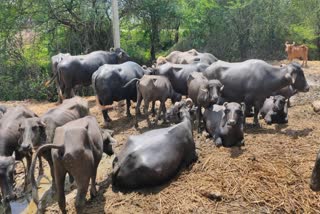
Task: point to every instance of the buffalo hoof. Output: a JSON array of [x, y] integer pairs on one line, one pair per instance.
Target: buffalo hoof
[[93, 192], [218, 142], [241, 143]]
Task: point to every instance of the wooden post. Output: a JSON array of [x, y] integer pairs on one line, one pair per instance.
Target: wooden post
[[115, 24]]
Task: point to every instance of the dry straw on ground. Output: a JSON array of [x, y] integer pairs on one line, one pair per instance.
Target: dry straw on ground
[[270, 174]]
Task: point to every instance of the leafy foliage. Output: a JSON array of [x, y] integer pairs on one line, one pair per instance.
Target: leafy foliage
[[33, 31]]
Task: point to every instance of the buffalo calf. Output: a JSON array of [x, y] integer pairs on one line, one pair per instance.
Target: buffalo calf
[[151, 88], [203, 92], [275, 110], [315, 177], [77, 149], [225, 124]]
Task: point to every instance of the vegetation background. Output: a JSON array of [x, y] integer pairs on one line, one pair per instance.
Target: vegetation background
[[31, 31]]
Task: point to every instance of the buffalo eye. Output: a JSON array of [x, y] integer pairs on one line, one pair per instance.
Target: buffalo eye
[[227, 110], [239, 112]]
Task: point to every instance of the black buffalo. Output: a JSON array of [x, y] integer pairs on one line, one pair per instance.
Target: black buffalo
[[109, 81], [225, 124], [55, 60], [77, 70], [252, 81], [178, 74], [155, 156], [275, 110]]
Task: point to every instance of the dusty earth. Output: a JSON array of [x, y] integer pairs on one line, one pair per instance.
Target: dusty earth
[[269, 174]]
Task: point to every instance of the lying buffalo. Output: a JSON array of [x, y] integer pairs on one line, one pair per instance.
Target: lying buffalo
[[109, 81], [275, 110], [187, 57], [203, 92], [3, 110], [252, 81], [225, 124], [77, 70], [151, 88], [178, 74], [38, 131], [77, 149], [154, 157], [9, 144]]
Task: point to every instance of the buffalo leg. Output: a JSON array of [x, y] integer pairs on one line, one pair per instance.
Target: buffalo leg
[[93, 189], [128, 108], [106, 117], [53, 186], [29, 159], [145, 111], [257, 107], [40, 167], [218, 141], [82, 184], [159, 112], [164, 110], [153, 108], [68, 93], [139, 99], [198, 118], [60, 174]]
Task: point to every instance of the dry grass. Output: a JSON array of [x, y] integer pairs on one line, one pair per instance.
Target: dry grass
[[269, 175]]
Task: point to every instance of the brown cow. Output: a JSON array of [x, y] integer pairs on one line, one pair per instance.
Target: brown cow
[[300, 51]]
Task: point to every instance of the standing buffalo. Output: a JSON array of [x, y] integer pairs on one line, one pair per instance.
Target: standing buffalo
[[77, 70], [78, 147], [252, 81], [108, 82], [203, 92], [275, 110], [154, 157], [151, 88], [55, 60], [225, 124], [38, 131], [9, 145], [178, 74], [187, 57]]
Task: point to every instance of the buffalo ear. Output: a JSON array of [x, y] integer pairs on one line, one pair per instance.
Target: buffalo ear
[[243, 107], [120, 54], [225, 104], [42, 124], [289, 78], [112, 49], [189, 103]]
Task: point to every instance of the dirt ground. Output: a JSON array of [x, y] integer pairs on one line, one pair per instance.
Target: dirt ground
[[270, 174]]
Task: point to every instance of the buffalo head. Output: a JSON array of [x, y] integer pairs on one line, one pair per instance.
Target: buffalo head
[[108, 141], [32, 134], [7, 165], [122, 56], [299, 81], [210, 93], [179, 110], [234, 113], [315, 177], [278, 103]]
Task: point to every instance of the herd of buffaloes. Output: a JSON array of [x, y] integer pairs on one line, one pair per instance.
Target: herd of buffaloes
[[219, 96]]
